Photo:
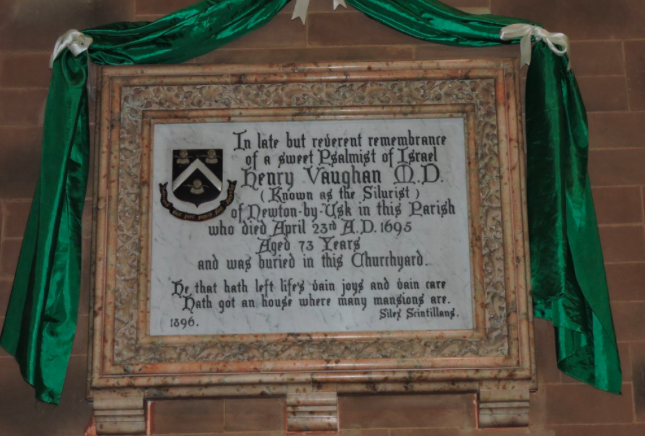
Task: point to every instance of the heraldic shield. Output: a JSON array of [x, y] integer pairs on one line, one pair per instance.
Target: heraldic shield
[[197, 175]]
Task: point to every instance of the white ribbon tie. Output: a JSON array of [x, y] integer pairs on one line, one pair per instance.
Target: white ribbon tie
[[300, 10], [526, 31], [74, 40]]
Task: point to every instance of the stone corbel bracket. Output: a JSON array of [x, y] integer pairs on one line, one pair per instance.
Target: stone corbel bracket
[[310, 409], [120, 412], [503, 406]]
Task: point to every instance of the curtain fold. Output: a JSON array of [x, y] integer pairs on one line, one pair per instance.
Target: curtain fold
[[567, 268], [568, 278], [40, 323], [181, 36]]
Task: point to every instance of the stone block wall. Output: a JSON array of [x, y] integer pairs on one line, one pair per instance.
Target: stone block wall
[[608, 54]]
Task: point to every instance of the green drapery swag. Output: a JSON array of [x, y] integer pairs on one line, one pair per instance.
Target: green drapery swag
[[568, 278]]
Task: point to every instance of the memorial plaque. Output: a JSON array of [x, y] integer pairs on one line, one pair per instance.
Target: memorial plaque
[[334, 226], [310, 230]]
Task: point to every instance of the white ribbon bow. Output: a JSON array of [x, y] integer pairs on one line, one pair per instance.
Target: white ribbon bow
[[300, 10], [72, 39], [526, 31]]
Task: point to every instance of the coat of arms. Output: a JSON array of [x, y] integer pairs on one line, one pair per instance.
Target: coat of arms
[[197, 179]]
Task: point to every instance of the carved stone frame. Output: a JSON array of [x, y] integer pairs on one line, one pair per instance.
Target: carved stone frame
[[495, 359]]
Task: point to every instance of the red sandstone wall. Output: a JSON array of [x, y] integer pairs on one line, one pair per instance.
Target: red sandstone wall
[[608, 52]]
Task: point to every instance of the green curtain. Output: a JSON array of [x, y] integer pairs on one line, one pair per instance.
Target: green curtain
[[567, 270], [569, 284], [41, 318]]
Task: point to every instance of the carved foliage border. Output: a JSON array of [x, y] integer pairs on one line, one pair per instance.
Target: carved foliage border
[[136, 99]]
